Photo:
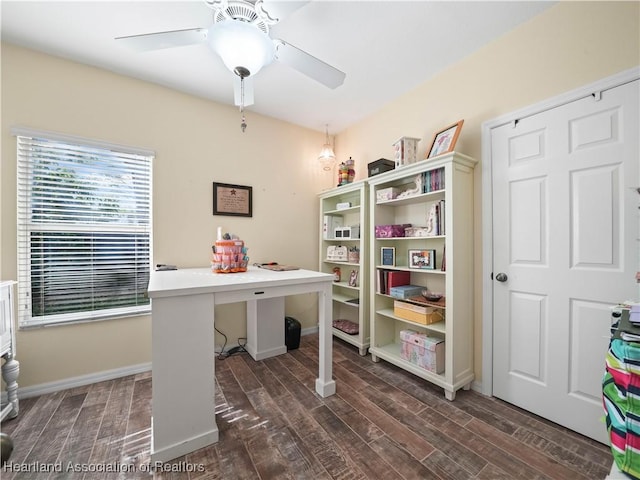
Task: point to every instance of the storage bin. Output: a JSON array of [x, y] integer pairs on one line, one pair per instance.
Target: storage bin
[[417, 313], [390, 231], [229, 256], [385, 194], [380, 166], [406, 291], [422, 350], [417, 232]]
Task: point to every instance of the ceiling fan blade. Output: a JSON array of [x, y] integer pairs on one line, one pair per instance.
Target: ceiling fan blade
[[273, 11], [160, 40], [308, 64], [248, 92]]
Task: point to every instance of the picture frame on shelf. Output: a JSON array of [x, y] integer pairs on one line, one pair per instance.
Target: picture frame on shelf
[[422, 259], [353, 278], [388, 256], [445, 140]]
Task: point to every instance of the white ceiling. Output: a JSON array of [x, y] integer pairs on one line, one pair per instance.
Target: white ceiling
[[386, 48]]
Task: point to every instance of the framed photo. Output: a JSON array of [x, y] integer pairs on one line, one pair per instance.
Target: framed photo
[[388, 256], [234, 200], [445, 140], [425, 259], [353, 278]]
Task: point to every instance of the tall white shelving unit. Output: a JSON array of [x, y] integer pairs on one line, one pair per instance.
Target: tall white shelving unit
[[456, 282], [349, 302]]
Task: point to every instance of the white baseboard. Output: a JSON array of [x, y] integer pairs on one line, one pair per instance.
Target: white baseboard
[[477, 387], [51, 387], [308, 331]]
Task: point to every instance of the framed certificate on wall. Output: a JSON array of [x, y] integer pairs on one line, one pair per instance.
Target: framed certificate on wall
[[235, 200]]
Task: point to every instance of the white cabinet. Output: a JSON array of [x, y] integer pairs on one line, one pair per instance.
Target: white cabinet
[[442, 186], [10, 366], [344, 226]]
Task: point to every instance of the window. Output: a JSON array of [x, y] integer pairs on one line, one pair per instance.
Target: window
[[84, 230]]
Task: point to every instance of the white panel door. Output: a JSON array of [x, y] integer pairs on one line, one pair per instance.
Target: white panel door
[[565, 230]]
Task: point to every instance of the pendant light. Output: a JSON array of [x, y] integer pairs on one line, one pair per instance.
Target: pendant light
[[327, 158]]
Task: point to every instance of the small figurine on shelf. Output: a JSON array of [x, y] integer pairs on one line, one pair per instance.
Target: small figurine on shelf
[[337, 274], [351, 172], [343, 174]]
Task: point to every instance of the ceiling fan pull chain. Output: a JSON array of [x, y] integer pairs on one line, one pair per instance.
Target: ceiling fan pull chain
[[243, 123]]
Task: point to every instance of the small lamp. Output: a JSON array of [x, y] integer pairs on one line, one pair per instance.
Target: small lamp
[[327, 158]]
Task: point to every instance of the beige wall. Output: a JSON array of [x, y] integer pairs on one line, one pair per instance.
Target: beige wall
[[198, 142], [570, 45]]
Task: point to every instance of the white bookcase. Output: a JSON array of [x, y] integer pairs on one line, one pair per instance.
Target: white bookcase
[[347, 206], [455, 282]]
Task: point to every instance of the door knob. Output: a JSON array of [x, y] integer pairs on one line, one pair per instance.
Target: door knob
[[501, 277]]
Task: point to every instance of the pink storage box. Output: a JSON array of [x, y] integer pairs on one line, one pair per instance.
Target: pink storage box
[[390, 231], [422, 350]]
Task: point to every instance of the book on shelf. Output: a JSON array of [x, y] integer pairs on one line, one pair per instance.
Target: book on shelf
[[432, 220], [398, 278], [387, 279], [433, 180], [443, 265], [435, 219]]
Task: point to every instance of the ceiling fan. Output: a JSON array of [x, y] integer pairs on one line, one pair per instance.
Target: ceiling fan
[[240, 36]]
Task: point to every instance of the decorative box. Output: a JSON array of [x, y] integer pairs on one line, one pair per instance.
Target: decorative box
[[343, 205], [390, 231], [385, 194], [417, 313], [406, 291], [380, 166], [417, 232], [405, 151], [337, 253], [422, 350]]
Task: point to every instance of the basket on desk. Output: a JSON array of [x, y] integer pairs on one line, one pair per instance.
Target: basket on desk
[[229, 256]]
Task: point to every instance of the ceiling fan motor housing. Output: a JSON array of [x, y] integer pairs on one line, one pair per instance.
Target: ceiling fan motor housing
[[240, 37]]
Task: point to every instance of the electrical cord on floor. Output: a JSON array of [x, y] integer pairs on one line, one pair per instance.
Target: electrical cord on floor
[[233, 350]]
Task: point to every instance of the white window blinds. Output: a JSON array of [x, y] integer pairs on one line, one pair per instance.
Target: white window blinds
[[84, 231]]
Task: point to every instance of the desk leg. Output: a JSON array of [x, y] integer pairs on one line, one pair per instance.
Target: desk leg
[[183, 382], [265, 328], [325, 385]]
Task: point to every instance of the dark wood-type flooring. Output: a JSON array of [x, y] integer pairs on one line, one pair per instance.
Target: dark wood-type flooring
[[383, 423]]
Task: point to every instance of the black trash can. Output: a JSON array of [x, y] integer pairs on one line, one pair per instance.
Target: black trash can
[[291, 333]]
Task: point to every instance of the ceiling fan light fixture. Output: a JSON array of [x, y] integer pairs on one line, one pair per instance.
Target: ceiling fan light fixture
[[241, 44]]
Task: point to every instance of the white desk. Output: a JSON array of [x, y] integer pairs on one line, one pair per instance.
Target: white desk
[[183, 342], [10, 367]]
